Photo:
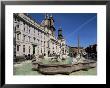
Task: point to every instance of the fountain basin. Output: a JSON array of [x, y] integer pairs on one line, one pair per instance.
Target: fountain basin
[[51, 69]]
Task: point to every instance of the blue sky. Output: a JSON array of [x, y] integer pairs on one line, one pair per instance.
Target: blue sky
[[74, 24]]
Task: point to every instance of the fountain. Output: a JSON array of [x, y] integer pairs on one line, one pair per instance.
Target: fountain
[[62, 66]]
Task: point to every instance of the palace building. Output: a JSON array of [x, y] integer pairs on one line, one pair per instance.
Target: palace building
[[31, 37]]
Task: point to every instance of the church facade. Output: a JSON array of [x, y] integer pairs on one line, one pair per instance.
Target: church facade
[[31, 37]]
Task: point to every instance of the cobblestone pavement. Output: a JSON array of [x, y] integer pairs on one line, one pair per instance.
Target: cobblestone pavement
[[22, 63]]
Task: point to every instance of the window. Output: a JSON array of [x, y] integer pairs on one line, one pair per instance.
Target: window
[[24, 26], [38, 32], [44, 43], [15, 19], [44, 49], [41, 43], [17, 47], [41, 50], [24, 29], [24, 48], [34, 30], [17, 26], [23, 37], [65, 51], [44, 37], [29, 49], [17, 36], [34, 39], [18, 20], [38, 41], [41, 36], [29, 30], [29, 38], [38, 49]]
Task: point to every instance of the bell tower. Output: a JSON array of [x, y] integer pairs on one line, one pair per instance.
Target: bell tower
[[51, 24], [51, 20], [60, 35], [46, 21]]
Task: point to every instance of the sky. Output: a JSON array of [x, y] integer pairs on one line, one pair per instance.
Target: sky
[[73, 24]]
